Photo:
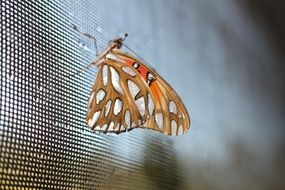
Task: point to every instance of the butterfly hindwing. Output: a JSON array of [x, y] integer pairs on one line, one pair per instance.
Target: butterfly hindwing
[[170, 115]]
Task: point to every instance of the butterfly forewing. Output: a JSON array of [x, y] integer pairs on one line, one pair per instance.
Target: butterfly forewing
[[119, 99], [128, 94]]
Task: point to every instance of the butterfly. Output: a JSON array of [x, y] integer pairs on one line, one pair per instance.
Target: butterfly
[[129, 94]]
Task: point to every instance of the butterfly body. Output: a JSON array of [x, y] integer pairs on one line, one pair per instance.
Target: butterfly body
[[129, 94]]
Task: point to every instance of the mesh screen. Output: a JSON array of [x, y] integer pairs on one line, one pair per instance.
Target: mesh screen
[[44, 140]]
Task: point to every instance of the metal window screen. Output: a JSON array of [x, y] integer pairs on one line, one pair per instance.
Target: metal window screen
[[44, 141]]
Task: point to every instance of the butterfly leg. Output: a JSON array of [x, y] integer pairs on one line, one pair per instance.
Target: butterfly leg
[[88, 36]]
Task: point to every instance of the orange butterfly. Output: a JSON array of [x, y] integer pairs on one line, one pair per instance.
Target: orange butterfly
[[128, 94]]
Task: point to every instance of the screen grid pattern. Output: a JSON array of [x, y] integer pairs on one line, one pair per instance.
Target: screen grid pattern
[[44, 141]]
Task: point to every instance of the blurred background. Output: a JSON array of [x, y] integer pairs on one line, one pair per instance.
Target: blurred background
[[225, 58]]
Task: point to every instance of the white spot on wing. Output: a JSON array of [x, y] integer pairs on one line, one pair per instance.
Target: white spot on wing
[[115, 78], [129, 71], [105, 75], [128, 118], [118, 126], [108, 106], [150, 104], [114, 57], [136, 65], [117, 106], [104, 127], [111, 126], [122, 128], [150, 76], [172, 107], [159, 120], [134, 89], [91, 122], [91, 99], [173, 127], [97, 127], [140, 105], [100, 96], [180, 130]]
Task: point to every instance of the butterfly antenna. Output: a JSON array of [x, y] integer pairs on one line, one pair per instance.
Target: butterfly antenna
[[88, 36], [125, 35]]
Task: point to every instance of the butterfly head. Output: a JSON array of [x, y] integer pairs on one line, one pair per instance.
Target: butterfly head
[[118, 42]]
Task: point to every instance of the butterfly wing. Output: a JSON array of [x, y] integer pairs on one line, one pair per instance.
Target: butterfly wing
[[119, 98], [128, 94], [170, 115]]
